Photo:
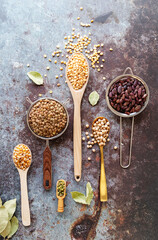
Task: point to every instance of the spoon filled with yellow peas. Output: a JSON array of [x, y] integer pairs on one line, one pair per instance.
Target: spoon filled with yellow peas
[[22, 159], [101, 128]]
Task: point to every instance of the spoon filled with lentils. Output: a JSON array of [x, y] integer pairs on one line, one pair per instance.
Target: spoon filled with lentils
[[101, 128], [47, 119]]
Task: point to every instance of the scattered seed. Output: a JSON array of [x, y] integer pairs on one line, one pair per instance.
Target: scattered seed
[[50, 60], [111, 49], [61, 75], [98, 69], [104, 78], [28, 65], [78, 18], [89, 158], [81, 8], [40, 95], [93, 150], [57, 76], [57, 46], [48, 68], [108, 140], [58, 84], [87, 133], [44, 55], [101, 66], [83, 138], [92, 136], [87, 125], [55, 61], [88, 137], [115, 147], [92, 21], [102, 44], [103, 60], [50, 91], [61, 68], [45, 75]]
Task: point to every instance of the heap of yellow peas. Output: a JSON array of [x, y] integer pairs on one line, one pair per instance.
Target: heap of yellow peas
[[77, 70], [22, 156]]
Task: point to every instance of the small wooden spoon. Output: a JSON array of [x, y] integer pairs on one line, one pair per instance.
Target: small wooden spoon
[[77, 142], [25, 209], [60, 199], [103, 186]]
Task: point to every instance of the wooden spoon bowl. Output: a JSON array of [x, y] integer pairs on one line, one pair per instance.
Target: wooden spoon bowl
[[60, 198]]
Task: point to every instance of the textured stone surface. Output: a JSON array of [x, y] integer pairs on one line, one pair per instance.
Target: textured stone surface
[[29, 29]]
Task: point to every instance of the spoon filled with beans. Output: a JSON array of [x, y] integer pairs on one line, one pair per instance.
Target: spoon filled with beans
[[22, 159], [77, 75], [47, 119], [101, 128]]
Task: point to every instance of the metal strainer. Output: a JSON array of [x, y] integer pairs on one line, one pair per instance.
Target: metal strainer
[[47, 155], [123, 115]]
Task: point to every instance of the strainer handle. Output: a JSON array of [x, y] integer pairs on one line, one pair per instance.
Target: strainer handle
[[47, 167], [130, 151], [128, 69]]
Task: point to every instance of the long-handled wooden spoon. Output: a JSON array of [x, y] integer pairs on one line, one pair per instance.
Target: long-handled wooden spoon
[[25, 209], [77, 98], [101, 133]]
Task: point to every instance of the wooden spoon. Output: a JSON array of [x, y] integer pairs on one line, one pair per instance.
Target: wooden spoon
[[103, 186], [60, 198], [25, 209], [77, 142]]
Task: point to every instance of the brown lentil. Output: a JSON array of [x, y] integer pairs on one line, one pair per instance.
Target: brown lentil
[[47, 118]]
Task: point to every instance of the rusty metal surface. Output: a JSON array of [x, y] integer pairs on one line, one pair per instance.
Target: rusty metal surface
[[30, 29]]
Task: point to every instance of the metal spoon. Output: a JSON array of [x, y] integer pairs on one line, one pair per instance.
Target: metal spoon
[[77, 98], [103, 186], [25, 209]]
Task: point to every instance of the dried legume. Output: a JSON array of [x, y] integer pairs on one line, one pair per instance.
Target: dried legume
[[47, 118], [22, 156]]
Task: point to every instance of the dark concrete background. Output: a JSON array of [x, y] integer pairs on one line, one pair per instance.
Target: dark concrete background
[[29, 29]]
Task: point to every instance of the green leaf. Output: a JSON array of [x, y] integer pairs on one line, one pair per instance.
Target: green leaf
[[14, 226], [89, 193], [0, 202], [79, 197], [35, 77], [93, 98], [6, 231], [10, 206], [4, 218]]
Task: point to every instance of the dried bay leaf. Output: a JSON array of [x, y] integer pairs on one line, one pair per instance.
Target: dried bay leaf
[[10, 206], [35, 77], [4, 218], [81, 198], [6, 231], [93, 98], [14, 226]]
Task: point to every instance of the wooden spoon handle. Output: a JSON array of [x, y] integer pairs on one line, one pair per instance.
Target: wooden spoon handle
[[77, 141], [25, 209], [60, 205], [47, 168], [103, 186]]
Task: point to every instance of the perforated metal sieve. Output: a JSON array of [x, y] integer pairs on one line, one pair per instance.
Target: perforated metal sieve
[[123, 115]]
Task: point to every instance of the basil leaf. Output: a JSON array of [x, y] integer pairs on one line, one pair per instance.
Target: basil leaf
[[14, 226], [4, 218], [35, 77], [0, 202], [93, 98], [10, 206], [89, 193], [79, 197], [6, 231]]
